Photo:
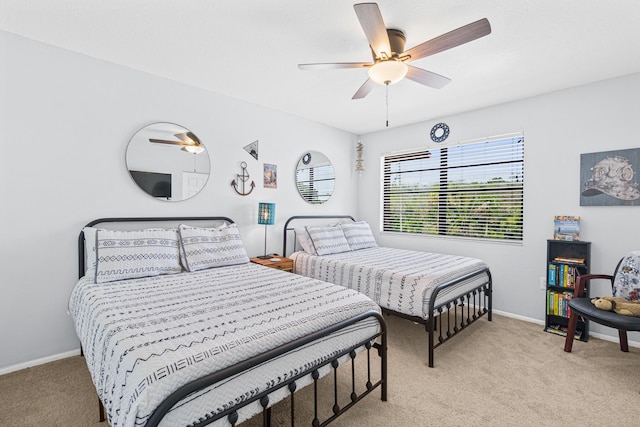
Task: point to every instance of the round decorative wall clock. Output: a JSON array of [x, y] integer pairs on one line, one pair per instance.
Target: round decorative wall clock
[[439, 132]]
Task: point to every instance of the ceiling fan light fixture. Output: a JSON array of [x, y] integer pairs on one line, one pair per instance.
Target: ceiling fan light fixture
[[388, 72], [193, 149]]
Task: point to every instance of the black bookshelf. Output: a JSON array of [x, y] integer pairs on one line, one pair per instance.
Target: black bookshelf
[[565, 261]]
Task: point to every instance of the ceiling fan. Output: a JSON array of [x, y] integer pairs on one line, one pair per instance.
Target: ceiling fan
[[188, 140], [390, 60]]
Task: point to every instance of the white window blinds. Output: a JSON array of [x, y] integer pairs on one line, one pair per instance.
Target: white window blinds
[[469, 190]]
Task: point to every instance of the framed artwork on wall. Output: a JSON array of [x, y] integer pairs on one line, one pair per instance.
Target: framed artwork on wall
[[608, 178], [270, 176]]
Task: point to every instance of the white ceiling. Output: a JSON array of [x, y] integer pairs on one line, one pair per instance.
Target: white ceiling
[[249, 49]]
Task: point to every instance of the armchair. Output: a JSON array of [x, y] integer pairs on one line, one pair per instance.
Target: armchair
[[625, 283]]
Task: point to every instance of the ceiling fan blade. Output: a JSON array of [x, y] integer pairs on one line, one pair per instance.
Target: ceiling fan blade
[[188, 138], [364, 89], [165, 141], [334, 65], [453, 38], [373, 25], [426, 78]]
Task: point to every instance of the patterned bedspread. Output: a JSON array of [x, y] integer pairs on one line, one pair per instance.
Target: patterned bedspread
[[397, 279], [143, 338]]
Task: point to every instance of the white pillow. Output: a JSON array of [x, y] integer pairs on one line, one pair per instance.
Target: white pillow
[[328, 239], [302, 235], [202, 248], [358, 235], [626, 283], [123, 255]]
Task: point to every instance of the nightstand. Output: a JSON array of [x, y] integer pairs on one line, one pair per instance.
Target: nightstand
[[285, 264]]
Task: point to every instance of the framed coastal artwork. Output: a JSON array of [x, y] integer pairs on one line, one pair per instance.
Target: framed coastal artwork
[[610, 178], [270, 176]]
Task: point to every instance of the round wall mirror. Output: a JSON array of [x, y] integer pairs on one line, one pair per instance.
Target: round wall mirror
[[168, 161], [315, 177]]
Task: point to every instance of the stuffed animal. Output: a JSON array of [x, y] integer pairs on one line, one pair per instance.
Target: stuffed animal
[[617, 304]]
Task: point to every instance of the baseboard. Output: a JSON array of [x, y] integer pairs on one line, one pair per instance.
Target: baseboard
[[517, 316], [37, 362], [604, 337]]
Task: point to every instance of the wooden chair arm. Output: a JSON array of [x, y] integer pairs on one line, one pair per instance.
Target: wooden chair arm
[[582, 280]]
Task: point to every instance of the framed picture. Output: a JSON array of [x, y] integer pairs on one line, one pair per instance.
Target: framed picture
[[566, 227], [608, 178], [270, 176]]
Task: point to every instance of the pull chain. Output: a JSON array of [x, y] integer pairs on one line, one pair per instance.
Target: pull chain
[[387, 100]]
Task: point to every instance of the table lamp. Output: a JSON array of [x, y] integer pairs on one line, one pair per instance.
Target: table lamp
[[266, 216]]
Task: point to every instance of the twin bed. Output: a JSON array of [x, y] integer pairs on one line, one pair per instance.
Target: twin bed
[[446, 293], [178, 328]]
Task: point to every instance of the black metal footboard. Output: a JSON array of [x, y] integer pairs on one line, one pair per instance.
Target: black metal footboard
[[455, 314], [378, 342], [472, 305]]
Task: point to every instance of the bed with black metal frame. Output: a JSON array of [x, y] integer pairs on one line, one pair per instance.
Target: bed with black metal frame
[[261, 394], [458, 300]]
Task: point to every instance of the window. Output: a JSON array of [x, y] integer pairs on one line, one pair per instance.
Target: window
[[472, 190]]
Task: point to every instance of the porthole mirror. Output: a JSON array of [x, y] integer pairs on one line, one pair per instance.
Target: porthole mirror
[[168, 161], [315, 177]]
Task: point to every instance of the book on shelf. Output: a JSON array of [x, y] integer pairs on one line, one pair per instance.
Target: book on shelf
[[552, 274], [562, 330], [558, 303], [566, 227], [562, 275], [569, 260]]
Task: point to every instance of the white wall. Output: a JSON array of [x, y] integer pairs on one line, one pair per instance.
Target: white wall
[[558, 127], [66, 120]]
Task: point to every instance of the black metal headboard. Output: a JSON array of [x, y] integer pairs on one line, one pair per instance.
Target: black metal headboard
[[287, 227], [143, 222]]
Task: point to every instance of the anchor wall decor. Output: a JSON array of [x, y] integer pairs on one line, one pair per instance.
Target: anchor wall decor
[[240, 183]]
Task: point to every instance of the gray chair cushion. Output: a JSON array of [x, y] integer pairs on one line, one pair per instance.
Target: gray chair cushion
[[584, 308]]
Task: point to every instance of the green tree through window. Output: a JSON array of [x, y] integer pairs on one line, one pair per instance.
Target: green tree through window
[[468, 190]]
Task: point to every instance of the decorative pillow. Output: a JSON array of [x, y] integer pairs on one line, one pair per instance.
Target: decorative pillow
[[202, 248], [358, 235], [626, 284], [302, 235], [129, 254], [328, 239]]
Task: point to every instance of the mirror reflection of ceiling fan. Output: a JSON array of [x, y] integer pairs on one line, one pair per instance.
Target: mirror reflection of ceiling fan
[[390, 60], [188, 140]]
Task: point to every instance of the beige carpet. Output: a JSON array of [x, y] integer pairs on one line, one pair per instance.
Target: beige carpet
[[501, 373]]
